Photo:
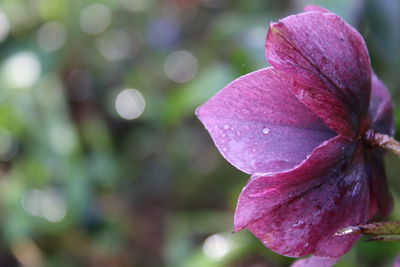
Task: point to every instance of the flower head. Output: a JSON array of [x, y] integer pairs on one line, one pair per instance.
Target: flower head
[[299, 129]]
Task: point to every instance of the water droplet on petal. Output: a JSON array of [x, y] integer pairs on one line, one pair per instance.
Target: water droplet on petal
[[226, 126], [265, 130], [238, 133]]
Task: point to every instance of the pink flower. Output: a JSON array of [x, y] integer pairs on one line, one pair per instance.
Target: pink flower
[[299, 129]]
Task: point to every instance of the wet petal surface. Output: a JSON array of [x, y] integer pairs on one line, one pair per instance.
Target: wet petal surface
[[381, 200], [296, 213], [381, 107], [330, 64], [315, 262], [259, 125]]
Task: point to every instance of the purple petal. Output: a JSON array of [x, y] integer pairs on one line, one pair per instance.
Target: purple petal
[[315, 262], [309, 8], [381, 107], [330, 64], [397, 261], [381, 113], [296, 213], [381, 200], [259, 126]]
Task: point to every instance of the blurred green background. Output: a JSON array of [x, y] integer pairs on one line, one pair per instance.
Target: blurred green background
[[102, 160]]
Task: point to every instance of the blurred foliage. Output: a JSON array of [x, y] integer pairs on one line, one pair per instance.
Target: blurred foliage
[[82, 184]]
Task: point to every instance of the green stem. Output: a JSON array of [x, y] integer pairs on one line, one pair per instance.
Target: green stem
[[383, 140], [380, 231], [378, 228]]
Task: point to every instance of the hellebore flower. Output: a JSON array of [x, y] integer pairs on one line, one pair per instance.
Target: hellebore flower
[[301, 128]]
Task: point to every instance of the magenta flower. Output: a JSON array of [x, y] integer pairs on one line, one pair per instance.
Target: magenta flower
[[299, 128]]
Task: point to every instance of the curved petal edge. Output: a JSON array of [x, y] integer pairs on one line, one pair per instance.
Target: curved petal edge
[[259, 126], [296, 213]]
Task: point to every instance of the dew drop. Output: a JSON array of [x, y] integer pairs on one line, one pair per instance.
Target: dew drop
[[238, 133], [226, 127], [265, 130]]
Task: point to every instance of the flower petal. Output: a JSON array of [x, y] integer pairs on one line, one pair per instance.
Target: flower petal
[[381, 200], [315, 262], [381, 113], [397, 261], [259, 126], [381, 107], [297, 212], [330, 64], [315, 8]]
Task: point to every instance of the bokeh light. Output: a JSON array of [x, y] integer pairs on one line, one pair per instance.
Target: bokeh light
[[130, 104], [115, 45], [95, 19], [27, 253], [4, 26], [181, 66], [62, 138], [22, 69], [217, 246], [51, 36], [46, 204]]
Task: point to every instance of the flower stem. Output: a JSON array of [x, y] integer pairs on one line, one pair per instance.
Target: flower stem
[[377, 228], [380, 231], [383, 140]]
